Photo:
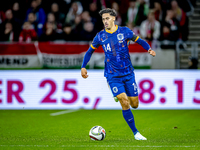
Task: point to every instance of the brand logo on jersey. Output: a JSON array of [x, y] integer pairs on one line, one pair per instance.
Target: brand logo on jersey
[[115, 89], [120, 36], [104, 40]]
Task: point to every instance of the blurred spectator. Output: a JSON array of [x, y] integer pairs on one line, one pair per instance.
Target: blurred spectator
[[77, 23], [40, 15], [50, 33], [77, 27], [182, 18], [75, 9], [118, 20], [123, 7], [28, 34], [102, 3], [132, 12], [88, 32], [67, 34], [150, 28], [85, 16], [39, 2], [193, 63], [59, 17], [51, 18], [9, 16], [18, 13], [7, 34], [165, 3], [94, 13], [170, 27], [142, 12], [135, 11], [32, 20], [179, 13], [15, 22], [160, 12]]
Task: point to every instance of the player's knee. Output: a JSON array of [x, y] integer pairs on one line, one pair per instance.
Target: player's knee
[[135, 105]]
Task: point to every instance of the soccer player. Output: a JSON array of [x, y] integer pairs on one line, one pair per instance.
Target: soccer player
[[119, 71]]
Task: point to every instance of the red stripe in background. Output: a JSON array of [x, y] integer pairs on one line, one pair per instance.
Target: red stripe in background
[[55, 48], [66, 48], [17, 49], [137, 48], [99, 50]]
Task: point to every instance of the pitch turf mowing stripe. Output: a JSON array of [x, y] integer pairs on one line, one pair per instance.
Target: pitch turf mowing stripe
[[63, 112], [102, 146]]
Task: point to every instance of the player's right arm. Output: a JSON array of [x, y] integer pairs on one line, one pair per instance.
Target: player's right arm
[[86, 59], [95, 44]]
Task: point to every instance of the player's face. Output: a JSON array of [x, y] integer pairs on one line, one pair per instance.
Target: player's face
[[108, 20]]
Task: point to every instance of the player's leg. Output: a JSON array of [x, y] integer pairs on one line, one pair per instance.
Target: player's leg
[[127, 114], [118, 90], [132, 94], [134, 102]]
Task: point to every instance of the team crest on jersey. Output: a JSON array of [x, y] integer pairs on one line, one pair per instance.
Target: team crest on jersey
[[115, 89], [120, 36]]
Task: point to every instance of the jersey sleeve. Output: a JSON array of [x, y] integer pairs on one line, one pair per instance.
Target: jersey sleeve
[[96, 42], [131, 35]]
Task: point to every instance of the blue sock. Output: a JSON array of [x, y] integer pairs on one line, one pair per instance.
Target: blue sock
[[128, 116]]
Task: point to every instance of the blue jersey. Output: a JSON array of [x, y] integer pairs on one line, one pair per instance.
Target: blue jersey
[[115, 46]]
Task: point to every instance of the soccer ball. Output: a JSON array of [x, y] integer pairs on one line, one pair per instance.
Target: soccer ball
[[97, 133]]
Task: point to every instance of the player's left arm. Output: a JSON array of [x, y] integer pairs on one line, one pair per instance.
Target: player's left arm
[[144, 44]]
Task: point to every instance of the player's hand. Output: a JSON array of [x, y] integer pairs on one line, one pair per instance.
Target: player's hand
[[152, 52], [84, 73]]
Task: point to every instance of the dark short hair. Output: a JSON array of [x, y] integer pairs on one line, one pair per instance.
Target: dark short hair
[[112, 12], [67, 25]]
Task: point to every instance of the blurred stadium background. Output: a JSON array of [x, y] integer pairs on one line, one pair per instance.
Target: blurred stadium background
[[36, 29], [42, 45]]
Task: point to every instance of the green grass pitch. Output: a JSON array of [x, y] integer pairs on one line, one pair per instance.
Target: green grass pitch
[[37, 129]]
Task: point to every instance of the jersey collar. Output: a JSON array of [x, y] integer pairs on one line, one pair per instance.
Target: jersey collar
[[113, 31]]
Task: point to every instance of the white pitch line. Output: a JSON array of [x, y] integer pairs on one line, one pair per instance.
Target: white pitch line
[[63, 112], [102, 146]]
